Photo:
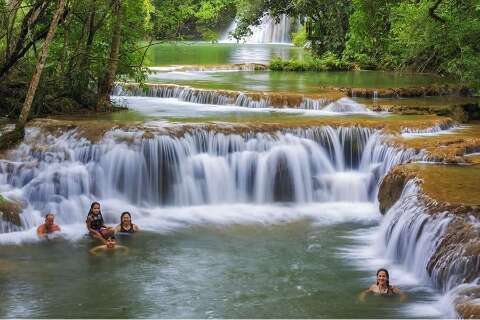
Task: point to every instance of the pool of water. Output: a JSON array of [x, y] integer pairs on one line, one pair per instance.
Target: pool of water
[[305, 82], [283, 270], [203, 53]]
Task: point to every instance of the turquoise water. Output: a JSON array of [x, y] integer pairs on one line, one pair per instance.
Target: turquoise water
[[291, 270]]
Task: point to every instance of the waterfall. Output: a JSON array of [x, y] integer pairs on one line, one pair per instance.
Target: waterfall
[[239, 99], [410, 236], [64, 174], [269, 31]]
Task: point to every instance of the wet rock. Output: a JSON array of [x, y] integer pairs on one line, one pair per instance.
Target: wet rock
[[10, 211], [408, 92]]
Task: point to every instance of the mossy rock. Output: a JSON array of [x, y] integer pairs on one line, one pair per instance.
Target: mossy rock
[[10, 211]]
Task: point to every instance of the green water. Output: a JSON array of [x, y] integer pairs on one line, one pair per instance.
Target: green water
[[284, 271], [306, 82], [203, 53], [198, 53]]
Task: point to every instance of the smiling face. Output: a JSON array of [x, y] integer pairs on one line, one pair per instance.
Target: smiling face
[[126, 221], [96, 209], [49, 220], [382, 278], [111, 243]]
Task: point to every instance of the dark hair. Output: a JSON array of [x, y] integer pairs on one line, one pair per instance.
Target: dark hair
[[111, 237], [90, 212], [49, 214], [388, 276], [125, 213]]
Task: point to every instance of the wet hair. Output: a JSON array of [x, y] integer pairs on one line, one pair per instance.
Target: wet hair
[[111, 238], [90, 212], [123, 214], [388, 276], [49, 214]]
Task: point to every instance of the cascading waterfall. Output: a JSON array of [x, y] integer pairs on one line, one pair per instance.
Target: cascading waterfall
[[64, 174], [269, 31], [410, 236], [215, 97]]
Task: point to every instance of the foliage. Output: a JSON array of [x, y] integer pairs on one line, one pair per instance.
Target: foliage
[[328, 62], [192, 19], [441, 36], [79, 53], [299, 38]]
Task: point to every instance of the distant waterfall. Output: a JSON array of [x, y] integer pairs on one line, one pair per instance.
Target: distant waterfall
[[269, 31], [324, 164]]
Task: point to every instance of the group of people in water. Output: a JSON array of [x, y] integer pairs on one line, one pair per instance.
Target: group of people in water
[[96, 228]]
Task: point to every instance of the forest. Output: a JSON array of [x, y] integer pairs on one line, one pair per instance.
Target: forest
[[79, 48]]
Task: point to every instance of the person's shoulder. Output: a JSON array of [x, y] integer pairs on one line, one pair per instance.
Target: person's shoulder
[[41, 228], [395, 290], [135, 227], [56, 227], [373, 287]]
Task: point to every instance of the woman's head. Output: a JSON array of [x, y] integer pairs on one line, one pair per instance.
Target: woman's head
[[383, 278], [125, 218], [94, 208]]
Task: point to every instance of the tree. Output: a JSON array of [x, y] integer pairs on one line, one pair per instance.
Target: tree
[[40, 64], [106, 84]]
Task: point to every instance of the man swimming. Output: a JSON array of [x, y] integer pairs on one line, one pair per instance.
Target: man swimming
[[48, 227], [110, 245]]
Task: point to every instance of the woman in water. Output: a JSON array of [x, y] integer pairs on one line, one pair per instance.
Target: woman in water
[[383, 287], [95, 224], [126, 225]]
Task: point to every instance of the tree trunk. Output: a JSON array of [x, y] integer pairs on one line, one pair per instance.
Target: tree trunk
[[40, 64], [106, 85]]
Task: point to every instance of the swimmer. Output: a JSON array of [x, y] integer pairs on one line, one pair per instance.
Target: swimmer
[[126, 225], [383, 287], [95, 224], [111, 245], [48, 227]]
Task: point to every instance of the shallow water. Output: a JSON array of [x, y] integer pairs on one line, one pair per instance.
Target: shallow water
[[288, 270], [304, 82], [203, 53]]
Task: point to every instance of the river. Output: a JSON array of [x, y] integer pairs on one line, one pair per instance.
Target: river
[[281, 224]]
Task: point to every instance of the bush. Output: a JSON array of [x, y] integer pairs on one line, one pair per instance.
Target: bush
[[299, 38], [328, 62]]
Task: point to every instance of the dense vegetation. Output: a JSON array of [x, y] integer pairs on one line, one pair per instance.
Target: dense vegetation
[[441, 36], [95, 42], [78, 48]]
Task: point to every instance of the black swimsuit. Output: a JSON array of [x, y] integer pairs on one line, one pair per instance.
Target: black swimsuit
[[96, 221], [131, 230]]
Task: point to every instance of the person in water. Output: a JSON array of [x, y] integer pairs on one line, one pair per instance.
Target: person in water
[[48, 227], [95, 224], [383, 287], [110, 245], [126, 225]]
